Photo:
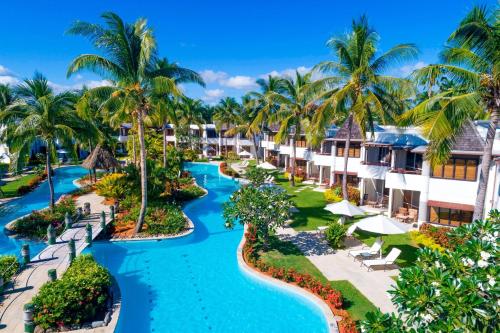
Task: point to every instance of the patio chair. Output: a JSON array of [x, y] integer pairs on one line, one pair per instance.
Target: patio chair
[[412, 215], [388, 260], [367, 251], [244, 164], [402, 213]]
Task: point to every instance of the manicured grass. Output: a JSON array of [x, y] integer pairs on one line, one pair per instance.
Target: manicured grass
[[10, 189], [287, 255], [310, 204]]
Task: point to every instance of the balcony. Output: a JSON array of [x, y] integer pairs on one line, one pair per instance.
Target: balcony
[[404, 181], [375, 170], [322, 159]]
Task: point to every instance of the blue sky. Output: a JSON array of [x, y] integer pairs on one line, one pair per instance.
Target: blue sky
[[230, 42]]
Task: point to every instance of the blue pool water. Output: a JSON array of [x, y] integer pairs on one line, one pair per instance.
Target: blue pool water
[[194, 283], [37, 199]]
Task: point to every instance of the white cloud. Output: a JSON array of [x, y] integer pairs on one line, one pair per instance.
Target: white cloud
[[212, 95], [78, 77], [58, 88], [210, 76], [408, 69], [239, 82], [7, 77], [290, 72]]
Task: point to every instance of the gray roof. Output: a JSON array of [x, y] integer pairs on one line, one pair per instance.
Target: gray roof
[[468, 139]]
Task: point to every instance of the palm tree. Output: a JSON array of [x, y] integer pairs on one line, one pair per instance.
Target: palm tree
[[165, 106], [6, 96], [362, 87], [225, 115], [128, 60], [296, 107], [39, 114], [189, 112], [471, 61]]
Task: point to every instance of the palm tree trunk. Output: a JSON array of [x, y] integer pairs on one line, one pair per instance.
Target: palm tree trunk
[[164, 146], [134, 159], [144, 175], [294, 154], [49, 179], [255, 148], [485, 166], [346, 158]]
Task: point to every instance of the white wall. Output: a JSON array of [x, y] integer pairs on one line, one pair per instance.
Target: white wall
[[449, 190], [372, 171], [352, 164]]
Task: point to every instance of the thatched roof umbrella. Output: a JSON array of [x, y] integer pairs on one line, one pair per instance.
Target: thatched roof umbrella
[[100, 158]]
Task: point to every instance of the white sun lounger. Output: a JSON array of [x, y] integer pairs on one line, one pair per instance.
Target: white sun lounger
[[244, 164], [367, 251], [389, 260]]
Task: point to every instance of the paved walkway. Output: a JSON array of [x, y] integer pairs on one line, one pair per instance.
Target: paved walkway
[[336, 265], [29, 281]]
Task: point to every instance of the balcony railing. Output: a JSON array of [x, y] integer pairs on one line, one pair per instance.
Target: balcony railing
[[376, 163], [410, 171]]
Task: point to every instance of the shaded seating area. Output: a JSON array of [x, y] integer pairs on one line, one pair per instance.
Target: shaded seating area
[[367, 252], [100, 158]]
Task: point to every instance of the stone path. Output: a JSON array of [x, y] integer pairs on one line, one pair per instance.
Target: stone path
[[336, 265], [29, 281]]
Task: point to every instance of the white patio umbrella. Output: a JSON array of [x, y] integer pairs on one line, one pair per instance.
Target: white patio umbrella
[[244, 153], [344, 208], [381, 224], [266, 166]]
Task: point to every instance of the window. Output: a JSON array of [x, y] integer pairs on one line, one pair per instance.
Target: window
[[413, 161], [451, 217], [301, 143], [457, 168], [211, 133], [354, 150], [270, 138], [170, 132]]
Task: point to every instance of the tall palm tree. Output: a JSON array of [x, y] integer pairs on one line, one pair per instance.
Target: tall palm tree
[[40, 114], [471, 61], [128, 60], [6, 96], [224, 115], [296, 107], [189, 112], [164, 104], [362, 87]]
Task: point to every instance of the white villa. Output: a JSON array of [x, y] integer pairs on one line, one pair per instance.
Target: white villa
[[388, 167]]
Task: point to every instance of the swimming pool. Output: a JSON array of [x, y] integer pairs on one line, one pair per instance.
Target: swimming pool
[[194, 283], [37, 199]]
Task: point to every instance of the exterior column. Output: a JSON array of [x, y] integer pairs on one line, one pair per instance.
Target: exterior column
[[391, 199], [361, 191], [332, 167], [205, 142], [320, 174], [237, 142], [308, 169], [424, 194], [220, 144]]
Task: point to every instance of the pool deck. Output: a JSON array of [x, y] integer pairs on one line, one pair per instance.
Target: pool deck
[[29, 281], [336, 265]]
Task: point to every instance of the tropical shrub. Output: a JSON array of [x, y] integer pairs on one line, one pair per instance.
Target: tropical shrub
[[331, 196], [335, 234], [190, 155], [264, 208], [450, 291], [424, 240], [297, 179], [35, 225], [9, 265], [439, 235], [112, 186], [77, 297], [189, 192], [232, 156], [32, 184], [225, 169], [164, 220], [353, 194]]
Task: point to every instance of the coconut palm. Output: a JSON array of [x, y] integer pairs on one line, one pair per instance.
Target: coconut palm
[[164, 104], [296, 107], [41, 115], [6, 96], [128, 60], [362, 87], [471, 61], [224, 115], [189, 112]]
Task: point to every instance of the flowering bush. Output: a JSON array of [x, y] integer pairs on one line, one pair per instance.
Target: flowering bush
[[298, 179], [77, 297], [424, 240], [9, 265], [453, 291], [228, 171], [439, 235], [35, 225], [353, 194], [32, 184], [332, 196]]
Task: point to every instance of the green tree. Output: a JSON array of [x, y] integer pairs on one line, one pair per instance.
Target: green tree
[[453, 291], [471, 60], [362, 88], [129, 54], [224, 116], [40, 114], [265, 208], [189, 112]]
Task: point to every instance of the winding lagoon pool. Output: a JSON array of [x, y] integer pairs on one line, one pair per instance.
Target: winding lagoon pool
[[194, 283], [37, 199]]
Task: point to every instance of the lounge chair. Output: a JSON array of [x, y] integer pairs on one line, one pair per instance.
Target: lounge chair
[[389, 260], [244, 164], [367, 251]]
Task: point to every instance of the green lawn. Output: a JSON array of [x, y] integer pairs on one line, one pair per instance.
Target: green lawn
[[311, 215], [287, 255], [10, 189]]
